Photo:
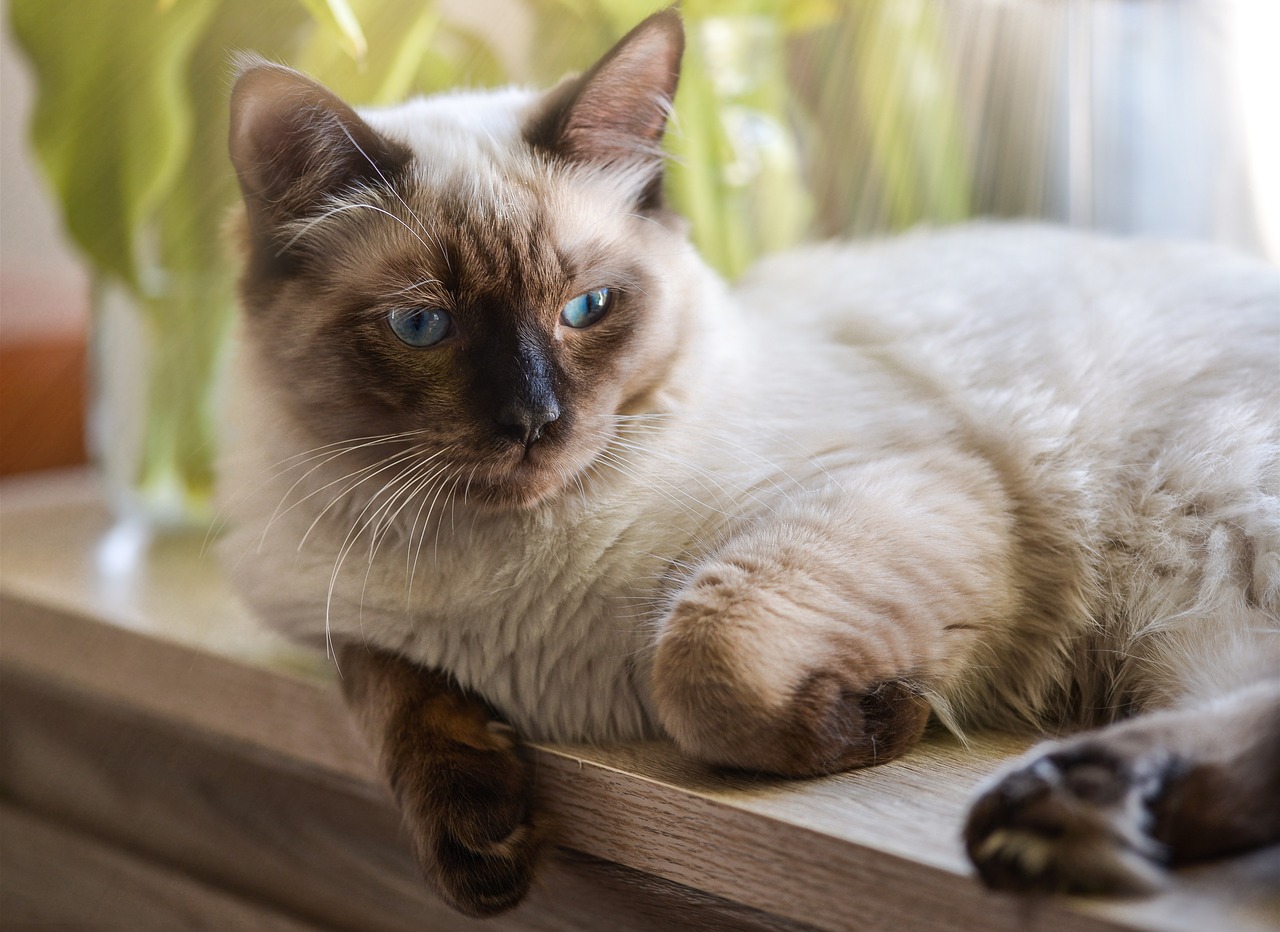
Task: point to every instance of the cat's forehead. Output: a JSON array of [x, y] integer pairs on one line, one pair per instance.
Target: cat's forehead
[[472, 145], [480, 204], [457, 123]]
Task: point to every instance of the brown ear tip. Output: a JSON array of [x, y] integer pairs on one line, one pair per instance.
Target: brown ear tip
[[248, 67], [669, 19], [669, 23], [670, 15]]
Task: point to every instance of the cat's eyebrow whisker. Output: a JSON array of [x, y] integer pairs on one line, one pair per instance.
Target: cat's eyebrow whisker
[[637, 216], [386, 183], [408, 288], [343, 208], [627, 283]]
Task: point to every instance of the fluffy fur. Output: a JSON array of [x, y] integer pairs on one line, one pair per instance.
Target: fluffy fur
[[1004, 475]]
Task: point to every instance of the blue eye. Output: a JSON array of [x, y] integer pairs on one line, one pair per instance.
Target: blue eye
[[586, 309], [420, 326]]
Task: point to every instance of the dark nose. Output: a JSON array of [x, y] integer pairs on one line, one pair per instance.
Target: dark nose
[[525, 422]]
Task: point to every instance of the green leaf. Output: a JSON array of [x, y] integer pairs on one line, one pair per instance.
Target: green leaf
[[339, 18], [111, 128]]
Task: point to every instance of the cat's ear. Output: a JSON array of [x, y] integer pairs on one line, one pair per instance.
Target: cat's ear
[[616, 113], [295, 144]]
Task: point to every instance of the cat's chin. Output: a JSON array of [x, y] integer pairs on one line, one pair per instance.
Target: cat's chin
[[521, 487], [507, 495]]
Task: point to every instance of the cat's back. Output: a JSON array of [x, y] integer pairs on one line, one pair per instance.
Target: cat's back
[[1140, 331], [1030, 282]]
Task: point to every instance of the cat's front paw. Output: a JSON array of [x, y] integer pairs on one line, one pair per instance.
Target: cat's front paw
[[754, 672], [468, 805], [1078, 819], [460, 776]]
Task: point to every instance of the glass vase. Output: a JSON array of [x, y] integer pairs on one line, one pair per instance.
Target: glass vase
[[157, 353]]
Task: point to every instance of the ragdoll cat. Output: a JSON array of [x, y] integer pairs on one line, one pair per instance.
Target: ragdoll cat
[[528, 468]]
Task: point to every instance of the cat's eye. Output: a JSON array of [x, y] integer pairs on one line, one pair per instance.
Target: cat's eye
[[420, 326], [586, 309]]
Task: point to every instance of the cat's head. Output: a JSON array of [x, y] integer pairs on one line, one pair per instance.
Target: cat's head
[[490, 276]]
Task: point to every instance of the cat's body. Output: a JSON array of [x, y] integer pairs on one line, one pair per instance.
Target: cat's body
[[1042, 373], [1009, 475]]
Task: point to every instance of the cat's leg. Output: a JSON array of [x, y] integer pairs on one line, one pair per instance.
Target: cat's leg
[[1108, 810], [807, 643], [459, 775]]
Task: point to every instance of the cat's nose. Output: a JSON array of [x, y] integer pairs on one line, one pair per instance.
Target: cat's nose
[[525, 422]]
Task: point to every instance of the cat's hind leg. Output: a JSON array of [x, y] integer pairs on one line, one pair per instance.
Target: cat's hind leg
[[1109, 810], [459, 776]]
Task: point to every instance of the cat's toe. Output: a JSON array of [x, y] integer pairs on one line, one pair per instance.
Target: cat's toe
[[826, 725], [1074, 820]]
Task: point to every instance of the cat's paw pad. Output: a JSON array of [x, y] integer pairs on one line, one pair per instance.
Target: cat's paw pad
[[1076, 819], [471, 814]]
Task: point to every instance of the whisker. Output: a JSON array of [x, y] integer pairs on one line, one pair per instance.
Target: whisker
[[386, 184], [389, 438], [382, 467], [343, 208]]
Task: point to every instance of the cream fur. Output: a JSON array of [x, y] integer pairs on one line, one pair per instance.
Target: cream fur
[[1036, 471]]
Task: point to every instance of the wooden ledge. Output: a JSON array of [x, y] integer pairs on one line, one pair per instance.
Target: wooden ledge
[[164, 763]]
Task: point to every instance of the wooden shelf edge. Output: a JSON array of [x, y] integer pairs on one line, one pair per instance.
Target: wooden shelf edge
[[640, 821], [645, 822]]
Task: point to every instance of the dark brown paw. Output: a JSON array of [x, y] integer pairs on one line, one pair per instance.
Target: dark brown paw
[[462, 779], [469, 809], [482, 881], [1077, 819]]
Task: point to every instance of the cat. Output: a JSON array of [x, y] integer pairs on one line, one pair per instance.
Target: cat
[[505, 446]]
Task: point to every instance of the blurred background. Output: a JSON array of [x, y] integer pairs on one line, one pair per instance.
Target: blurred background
[[795, 120]]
